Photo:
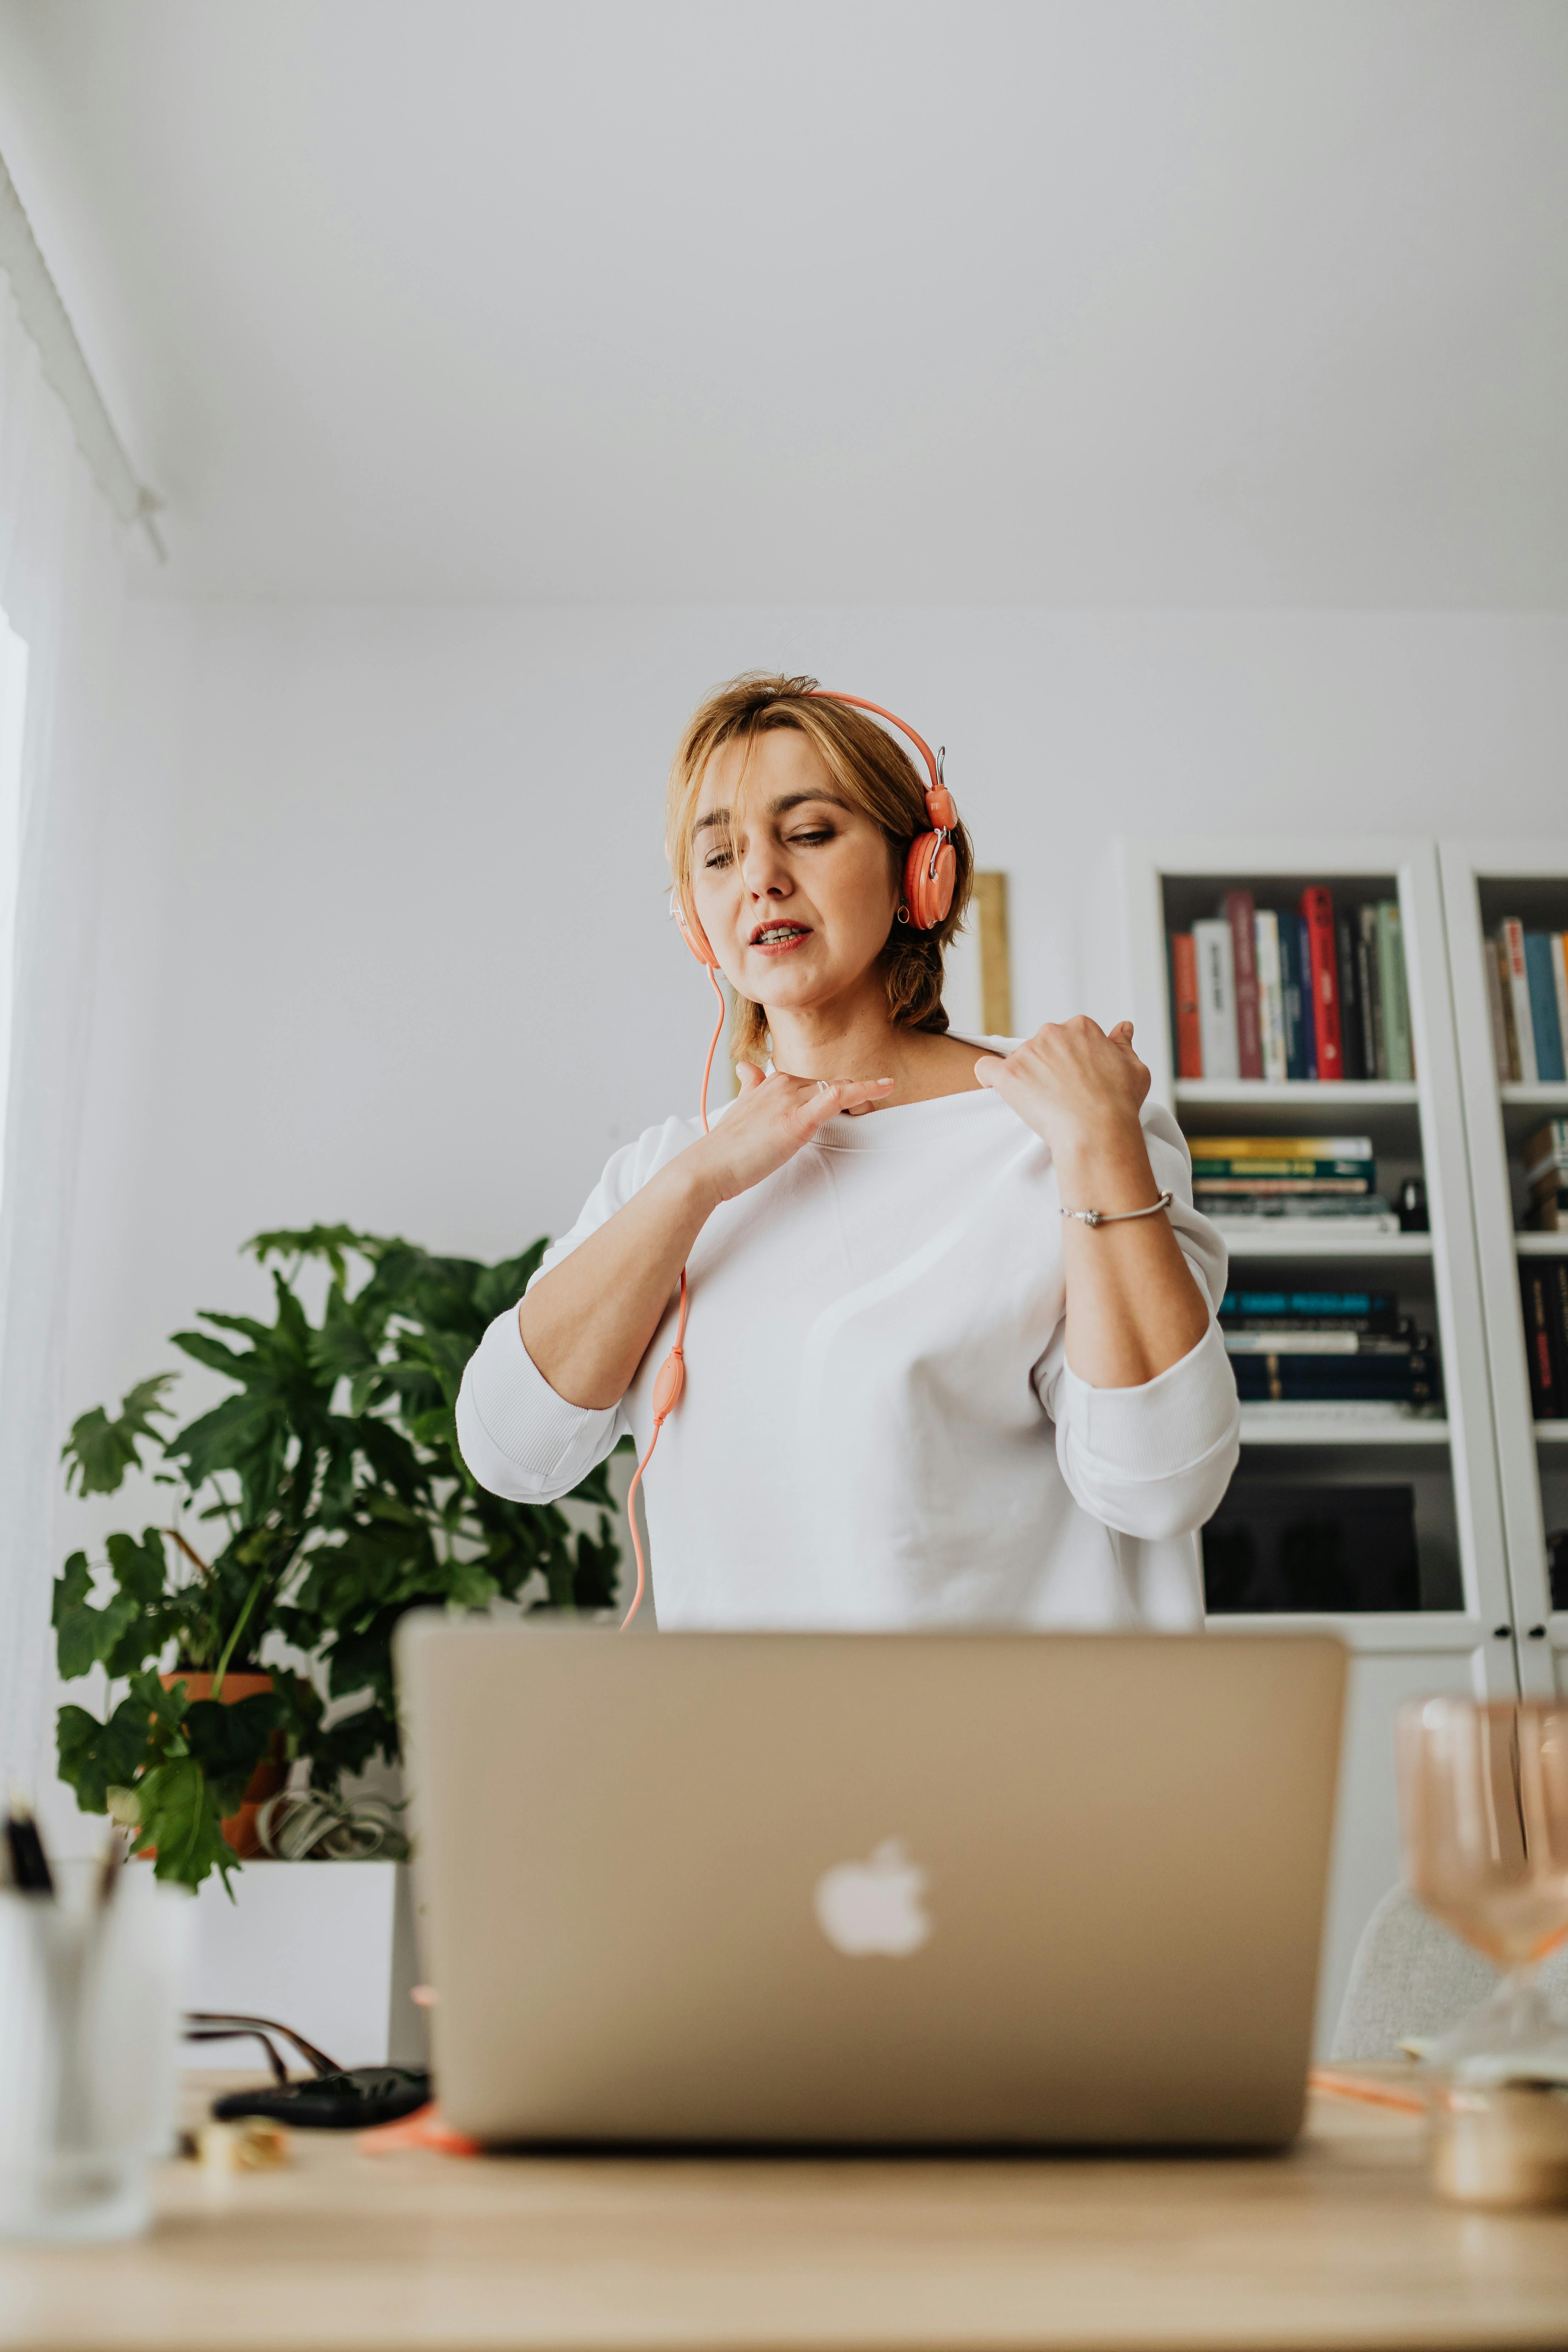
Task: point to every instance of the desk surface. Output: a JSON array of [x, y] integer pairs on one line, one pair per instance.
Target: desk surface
[[1338, 2244]]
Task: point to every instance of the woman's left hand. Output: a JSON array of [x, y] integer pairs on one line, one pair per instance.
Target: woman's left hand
[[1079, 1090]]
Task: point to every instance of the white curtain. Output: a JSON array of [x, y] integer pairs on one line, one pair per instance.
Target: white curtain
[[61, 589]]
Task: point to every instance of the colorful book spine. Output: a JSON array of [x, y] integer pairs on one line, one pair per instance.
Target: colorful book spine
[[1238, 908], [1273, 1304], [1543, 1020], [1540, 1353], [1346, 932], [1270, 994], [1217, 999], [1558, 942], [1317, 912], [1282, 1147], [1290, 996], [1500, 1054], [1188, 1029], [1308, 1019], [1510, 943], [1374, 1050], [1400, 1055], [1296, 1172]]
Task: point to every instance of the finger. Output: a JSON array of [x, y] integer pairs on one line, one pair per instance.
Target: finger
[[830, 1095], [1123, 1034], [989, 1069], [748, 1078]]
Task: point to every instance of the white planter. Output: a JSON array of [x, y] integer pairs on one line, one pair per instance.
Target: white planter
[[324, 1946]]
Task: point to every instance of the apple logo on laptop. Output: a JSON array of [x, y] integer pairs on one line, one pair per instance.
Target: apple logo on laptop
[[874, 1905]]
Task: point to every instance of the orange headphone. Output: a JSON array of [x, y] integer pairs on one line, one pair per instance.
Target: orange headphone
[[931, 870]]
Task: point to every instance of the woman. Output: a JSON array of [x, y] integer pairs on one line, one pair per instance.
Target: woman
[[891, 1315]]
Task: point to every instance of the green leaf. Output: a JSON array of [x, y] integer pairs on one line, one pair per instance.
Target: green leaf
[[98, 1451], [96, 1757], [181, 1816], [331, 1242], [229, 1742], [205, 1349], [140, 1570]]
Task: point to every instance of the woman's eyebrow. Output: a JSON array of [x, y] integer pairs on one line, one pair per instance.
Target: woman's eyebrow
[[775, 808]]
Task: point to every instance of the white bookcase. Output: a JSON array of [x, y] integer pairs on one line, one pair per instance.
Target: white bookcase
[[1481, 884], [1462, 1636]]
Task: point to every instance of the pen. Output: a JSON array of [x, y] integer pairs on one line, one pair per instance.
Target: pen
[[30, 1872]]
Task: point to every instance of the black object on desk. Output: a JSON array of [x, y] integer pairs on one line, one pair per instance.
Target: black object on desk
[[331, 2098]]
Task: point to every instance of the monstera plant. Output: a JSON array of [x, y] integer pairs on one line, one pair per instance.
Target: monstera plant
[[331, 1480]]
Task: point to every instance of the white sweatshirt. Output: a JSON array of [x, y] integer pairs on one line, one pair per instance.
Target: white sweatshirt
[[879, 1428]]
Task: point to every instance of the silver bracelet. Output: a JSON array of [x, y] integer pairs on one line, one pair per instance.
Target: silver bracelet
[[1115, 1216]]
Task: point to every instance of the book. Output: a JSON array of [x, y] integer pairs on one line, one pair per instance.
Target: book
[[1558, 941], [1293, 1340], [1288, 928], [1549, 1215], [1543, 1023], [1546, 1149], [1237, 910], [1274, 1546], [1397, 1048], [1510, 947], [1557, 1287], [1335, 1380], [1283, 1147], [1347, 932], [1318, 914], [1217, 999], [1262, 1414], [1270, 994], [1252, 1187], [1243, 1219], [1188, 1032], [1304, 1171], [1367, 1310], [1500, 1054], [1375, 1053], [1540, 1354]]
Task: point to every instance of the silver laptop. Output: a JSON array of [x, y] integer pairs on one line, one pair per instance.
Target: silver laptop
[[908, 1888]]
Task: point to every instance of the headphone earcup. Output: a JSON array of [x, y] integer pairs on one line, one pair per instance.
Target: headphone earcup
[[929, 881], [693, 932]]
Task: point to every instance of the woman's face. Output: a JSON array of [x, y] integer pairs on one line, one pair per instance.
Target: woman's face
[[797, 894]]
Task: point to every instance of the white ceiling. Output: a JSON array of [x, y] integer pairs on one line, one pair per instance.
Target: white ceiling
[[1119, 301]]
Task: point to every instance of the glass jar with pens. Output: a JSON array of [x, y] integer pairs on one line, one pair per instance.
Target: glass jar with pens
[[89, 1983]]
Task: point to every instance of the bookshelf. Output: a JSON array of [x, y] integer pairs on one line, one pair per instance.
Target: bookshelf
[[1481, 884], [1462, 1635]]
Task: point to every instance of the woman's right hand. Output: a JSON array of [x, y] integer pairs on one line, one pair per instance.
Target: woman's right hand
[[773, 1119]]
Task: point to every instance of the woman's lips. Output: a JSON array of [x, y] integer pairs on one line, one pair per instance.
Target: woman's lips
[[780, 946]]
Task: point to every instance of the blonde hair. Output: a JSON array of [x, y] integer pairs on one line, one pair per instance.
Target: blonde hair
[[875, 775]]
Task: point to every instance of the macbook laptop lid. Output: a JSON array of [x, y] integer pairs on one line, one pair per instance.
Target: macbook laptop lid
[[907, 1888]]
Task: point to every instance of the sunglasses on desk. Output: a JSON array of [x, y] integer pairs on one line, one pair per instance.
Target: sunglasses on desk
[[330, 2098]]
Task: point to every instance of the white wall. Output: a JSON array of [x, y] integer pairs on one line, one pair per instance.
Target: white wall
[[389, 945]]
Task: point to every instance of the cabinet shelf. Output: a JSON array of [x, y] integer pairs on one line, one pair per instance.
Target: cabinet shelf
[[1260, 1426], [1542, 1244], [1551, 1432], [1276, 1244]]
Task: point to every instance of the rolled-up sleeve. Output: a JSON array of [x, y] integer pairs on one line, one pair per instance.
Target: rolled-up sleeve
[[517, 1437], [1155, 1461]]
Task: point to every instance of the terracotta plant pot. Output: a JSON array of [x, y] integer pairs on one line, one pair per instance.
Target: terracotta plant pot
[[239, 1829]]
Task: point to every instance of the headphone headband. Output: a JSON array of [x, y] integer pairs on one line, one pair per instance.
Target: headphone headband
[[858, 702]]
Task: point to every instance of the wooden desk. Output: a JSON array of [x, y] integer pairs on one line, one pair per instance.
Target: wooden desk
[[1339, 2243]]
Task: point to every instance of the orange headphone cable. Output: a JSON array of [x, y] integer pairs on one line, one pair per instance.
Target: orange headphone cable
[[672, 1371]]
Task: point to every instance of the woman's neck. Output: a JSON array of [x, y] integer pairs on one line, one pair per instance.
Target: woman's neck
[[857, 1038]]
